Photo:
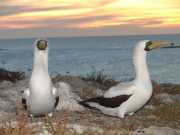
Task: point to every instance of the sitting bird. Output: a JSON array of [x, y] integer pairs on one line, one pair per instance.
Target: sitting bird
[[42, 97], [128, 97]]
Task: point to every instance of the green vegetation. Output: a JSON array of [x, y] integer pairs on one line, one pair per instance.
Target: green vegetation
[[104, 80]]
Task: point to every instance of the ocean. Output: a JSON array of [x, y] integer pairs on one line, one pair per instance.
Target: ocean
[[83, 55]]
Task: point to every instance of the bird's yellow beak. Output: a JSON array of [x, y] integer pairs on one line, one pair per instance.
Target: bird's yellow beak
[[150, 45], [42, 44]]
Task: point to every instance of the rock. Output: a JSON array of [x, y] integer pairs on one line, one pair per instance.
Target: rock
[[10, 95], [67, 99], [176, 97], [80, 129], [11, 75], [84, 89], [4, 84], [99, 92], [7, 106], [157, 131], [3, 114], [165, 98]]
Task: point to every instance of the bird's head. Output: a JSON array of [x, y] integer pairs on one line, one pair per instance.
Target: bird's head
[[155, 44], [42, 45]]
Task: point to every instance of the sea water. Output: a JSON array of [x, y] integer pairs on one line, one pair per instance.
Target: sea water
[[83, 55]]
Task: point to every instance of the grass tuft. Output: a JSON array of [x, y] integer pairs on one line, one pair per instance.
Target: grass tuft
[[96, 76], [101, 78]]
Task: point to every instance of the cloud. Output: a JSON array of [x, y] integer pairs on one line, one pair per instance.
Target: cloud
[[146, 22], [73, 32], [54, 22], [12, 10], [89, 16]]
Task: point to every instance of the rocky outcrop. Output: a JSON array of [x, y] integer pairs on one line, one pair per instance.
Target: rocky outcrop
[[162, 110], [11, 75], [168, 98]]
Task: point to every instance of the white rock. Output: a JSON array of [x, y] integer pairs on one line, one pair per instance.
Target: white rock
[[149, 107], [80, 129], [67, 99]]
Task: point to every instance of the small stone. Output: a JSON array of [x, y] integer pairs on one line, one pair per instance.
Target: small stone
[[157, 131], [149, 107]]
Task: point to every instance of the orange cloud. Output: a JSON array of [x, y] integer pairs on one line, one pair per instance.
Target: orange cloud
[[89, 14]]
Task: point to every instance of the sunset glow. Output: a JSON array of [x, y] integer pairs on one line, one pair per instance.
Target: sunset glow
[[89, 14]]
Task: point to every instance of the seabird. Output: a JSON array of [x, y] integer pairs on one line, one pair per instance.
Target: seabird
[[128, 97], [41, 97]]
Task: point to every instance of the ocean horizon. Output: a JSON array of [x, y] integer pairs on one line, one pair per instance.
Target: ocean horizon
[[82, 55]]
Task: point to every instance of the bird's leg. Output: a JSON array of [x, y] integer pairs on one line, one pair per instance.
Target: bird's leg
[[130, 114], [50, 114], [121, 114], [31, 116]]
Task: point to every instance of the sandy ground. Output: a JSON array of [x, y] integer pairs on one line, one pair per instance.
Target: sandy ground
[[163, 110]]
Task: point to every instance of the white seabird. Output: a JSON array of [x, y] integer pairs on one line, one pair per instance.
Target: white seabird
[[41, 97], [128, 97]]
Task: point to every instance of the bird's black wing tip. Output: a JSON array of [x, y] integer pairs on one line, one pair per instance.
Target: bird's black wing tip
[[23, 101], [84, 104], [106, 102]]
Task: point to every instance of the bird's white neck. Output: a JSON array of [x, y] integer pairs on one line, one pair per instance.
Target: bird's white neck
[[140, 63], [40, 62]]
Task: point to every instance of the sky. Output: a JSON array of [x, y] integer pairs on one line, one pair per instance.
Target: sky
[[62, 18]]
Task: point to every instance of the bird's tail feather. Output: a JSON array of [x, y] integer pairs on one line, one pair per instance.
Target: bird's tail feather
[[96, 104], [86, 105], [92, 103]]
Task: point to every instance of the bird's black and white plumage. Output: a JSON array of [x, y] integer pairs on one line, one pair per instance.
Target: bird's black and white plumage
[[41, 97], [128, 97]]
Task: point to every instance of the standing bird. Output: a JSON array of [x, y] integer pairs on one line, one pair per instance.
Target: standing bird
[[128, 97], [41, 97]]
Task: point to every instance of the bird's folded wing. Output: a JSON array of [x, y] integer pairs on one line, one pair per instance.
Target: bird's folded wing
[[105, 102], [25, 93], [25, 97], [55, 92], [121, 89]]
